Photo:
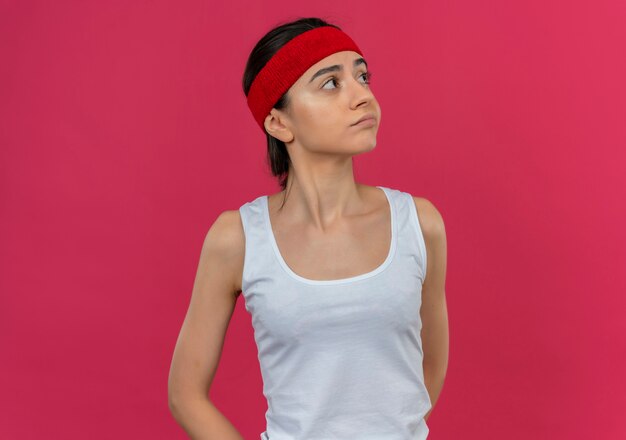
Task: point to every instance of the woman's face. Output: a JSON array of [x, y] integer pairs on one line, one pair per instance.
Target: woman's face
[[324, 104]]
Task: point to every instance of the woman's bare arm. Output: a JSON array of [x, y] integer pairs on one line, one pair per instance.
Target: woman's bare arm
[[434, 312], [199, 345]]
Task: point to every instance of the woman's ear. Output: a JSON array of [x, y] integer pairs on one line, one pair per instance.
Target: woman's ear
[[275, 125]]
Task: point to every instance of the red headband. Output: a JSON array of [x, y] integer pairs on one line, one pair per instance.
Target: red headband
[[290, 62]]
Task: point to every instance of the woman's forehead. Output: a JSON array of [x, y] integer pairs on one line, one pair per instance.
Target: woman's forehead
[[346, 57]]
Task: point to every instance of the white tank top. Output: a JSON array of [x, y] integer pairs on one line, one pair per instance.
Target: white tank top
[[340, 359]]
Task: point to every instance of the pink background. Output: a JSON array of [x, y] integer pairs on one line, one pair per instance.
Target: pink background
[[124, 133]]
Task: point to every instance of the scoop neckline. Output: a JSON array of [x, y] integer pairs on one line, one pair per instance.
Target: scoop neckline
[[377, 270]]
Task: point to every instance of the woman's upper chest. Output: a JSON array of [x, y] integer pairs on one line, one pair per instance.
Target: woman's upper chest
[[355, 245]]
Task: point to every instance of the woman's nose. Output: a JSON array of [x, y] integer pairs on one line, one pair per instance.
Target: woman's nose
[[360, 91]]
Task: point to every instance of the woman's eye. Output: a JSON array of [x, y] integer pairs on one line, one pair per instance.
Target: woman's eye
[[332, 79]]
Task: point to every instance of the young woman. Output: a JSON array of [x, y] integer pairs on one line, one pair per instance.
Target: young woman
[[344, 281]]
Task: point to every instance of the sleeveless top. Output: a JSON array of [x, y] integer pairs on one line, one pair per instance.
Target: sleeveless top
[[340, 359]]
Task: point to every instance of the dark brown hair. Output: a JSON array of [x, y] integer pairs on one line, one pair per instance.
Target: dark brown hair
[[277, 155]]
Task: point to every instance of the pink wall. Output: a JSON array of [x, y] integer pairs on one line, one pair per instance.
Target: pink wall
[[124, 133]]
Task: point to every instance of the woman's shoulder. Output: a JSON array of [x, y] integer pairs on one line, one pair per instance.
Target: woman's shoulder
[[225, 240], [430, 217], [227, 231]]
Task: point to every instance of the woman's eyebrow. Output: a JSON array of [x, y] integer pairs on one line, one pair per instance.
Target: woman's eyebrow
[[336, 68]]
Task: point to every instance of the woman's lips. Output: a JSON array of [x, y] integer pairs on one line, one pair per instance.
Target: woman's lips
[[368, 122]]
